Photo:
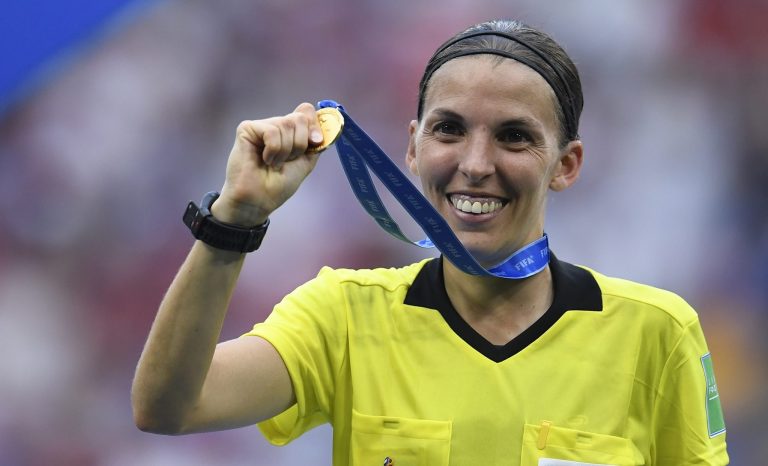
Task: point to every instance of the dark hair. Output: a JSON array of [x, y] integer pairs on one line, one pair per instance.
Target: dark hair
[[515, 40]]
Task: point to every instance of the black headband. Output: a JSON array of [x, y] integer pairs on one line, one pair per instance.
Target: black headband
[[562, 91]]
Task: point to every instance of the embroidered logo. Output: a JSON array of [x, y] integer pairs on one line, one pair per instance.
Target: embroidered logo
[[715, 420]]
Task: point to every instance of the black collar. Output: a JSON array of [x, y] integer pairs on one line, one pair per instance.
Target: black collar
[[575, 290]]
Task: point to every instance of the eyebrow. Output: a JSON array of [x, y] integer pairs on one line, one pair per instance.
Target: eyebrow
[[517, 122], [444, 113]]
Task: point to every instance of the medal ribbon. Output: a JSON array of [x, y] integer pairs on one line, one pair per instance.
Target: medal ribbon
[[359, 153]]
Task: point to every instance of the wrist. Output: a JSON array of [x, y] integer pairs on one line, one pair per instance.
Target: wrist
[[238, 214]]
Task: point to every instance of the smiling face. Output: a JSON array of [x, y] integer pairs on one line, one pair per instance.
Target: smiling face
[[487, 151]]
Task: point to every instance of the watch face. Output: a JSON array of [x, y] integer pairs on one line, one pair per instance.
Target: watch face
[[331, 123]]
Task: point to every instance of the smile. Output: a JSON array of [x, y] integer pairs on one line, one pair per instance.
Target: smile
[[475, 205]]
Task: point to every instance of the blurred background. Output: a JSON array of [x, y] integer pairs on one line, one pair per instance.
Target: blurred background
[[115, 113]]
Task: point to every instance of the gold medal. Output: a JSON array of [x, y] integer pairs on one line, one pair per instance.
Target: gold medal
[[331, 123]]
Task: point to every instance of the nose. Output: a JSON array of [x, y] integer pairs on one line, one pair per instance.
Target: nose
[[476, 163]]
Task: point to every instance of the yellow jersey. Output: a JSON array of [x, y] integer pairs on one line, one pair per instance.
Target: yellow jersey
[[614, 373]]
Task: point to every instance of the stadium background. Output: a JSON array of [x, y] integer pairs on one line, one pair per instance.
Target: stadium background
[[113, 114]]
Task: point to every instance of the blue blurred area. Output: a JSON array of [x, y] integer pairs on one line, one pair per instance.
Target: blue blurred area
[[35, 32]]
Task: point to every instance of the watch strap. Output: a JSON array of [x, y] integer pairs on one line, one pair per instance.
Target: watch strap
[[218, 234]]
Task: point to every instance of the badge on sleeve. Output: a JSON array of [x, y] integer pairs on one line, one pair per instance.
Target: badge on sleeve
[[715, 420]]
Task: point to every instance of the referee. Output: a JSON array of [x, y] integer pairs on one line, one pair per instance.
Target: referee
[[425, 364]]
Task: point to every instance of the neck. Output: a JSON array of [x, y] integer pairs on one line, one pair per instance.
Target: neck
[[498, 308]]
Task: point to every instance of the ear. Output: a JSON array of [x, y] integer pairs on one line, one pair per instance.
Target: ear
[[410, 155], [568, 167]]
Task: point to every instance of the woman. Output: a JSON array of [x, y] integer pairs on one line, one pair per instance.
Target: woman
[[427, 365]]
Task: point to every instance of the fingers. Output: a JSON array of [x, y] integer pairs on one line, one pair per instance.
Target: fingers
[[268, 163], [315, 133], [288, 137]]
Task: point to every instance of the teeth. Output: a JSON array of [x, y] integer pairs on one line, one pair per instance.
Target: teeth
[[476, 207]]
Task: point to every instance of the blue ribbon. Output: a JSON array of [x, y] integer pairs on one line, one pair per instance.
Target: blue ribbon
[[359, 153]]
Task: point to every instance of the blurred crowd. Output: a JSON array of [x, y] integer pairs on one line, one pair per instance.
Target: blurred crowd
[[98, 162]]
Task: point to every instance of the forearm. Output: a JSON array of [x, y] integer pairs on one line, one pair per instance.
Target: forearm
[[181, 343], [268, 162]]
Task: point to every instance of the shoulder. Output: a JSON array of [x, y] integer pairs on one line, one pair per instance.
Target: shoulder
[[650, 300], [333, 290], [388, 279]]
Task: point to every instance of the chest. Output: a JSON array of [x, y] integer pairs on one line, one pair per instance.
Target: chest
[[419, 389]]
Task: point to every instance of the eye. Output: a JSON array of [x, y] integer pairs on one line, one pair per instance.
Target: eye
[[514, 136], [448, 128]]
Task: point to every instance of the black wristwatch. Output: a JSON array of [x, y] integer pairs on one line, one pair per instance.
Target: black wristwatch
[[218, 234]]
